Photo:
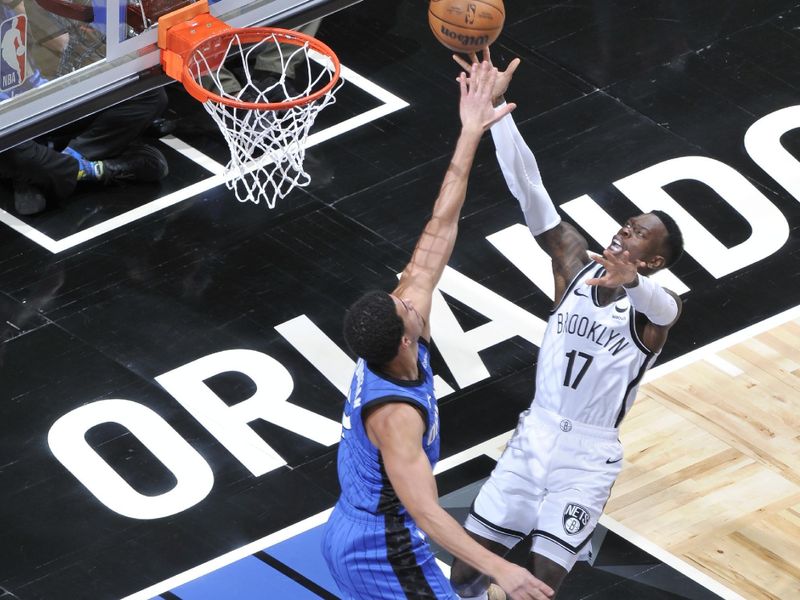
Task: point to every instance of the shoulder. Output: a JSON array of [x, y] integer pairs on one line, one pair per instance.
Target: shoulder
[[394, 418]]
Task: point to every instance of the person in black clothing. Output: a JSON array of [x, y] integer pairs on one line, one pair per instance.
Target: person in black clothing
[[103, 147]]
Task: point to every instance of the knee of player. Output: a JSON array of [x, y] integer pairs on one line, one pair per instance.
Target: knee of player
[[466, 581], [547, 570]]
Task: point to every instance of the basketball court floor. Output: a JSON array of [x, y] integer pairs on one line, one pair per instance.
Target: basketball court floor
[[172, 365]]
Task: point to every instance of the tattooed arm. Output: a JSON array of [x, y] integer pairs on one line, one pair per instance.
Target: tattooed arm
[[568, 250]]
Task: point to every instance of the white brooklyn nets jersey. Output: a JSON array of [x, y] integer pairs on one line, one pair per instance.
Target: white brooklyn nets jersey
[[591, 360]]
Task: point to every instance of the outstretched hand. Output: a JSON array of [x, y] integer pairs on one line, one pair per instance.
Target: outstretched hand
[[476, 108], [503, 77], [620, 269], [519, 584]]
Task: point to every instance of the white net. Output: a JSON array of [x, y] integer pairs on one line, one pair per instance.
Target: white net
[[267, 145]]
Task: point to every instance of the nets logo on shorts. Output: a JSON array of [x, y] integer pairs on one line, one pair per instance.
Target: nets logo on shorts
[[576, 517]]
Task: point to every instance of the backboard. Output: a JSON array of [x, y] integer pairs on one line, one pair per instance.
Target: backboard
[[63, 59]]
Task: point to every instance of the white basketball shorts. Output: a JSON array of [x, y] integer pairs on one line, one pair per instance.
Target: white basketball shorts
[[552, 481]]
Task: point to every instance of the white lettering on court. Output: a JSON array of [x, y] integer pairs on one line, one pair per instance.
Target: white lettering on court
[[330, 360], [769, 227], [763, 143], [460, 348], [67, 440], [518, 245], [229, 424]]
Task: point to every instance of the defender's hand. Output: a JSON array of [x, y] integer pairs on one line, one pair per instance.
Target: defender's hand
[[503, 77], [519, 584], [475, 108]]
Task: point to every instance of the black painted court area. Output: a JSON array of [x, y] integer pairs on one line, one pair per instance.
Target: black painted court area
[[606, 89]]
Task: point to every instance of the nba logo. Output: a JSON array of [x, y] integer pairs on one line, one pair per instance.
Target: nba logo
[[13, 52]]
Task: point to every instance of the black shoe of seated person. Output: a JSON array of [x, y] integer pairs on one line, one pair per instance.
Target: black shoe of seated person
[[141, 162], [28, 199]]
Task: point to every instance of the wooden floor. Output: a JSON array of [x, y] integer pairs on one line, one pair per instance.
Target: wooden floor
[[712, 469]]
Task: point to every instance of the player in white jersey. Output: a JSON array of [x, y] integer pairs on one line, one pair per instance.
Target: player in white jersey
[[607, 327]]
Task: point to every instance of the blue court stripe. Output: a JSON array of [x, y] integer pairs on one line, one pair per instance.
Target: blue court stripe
[[303, 554], [294, 575]]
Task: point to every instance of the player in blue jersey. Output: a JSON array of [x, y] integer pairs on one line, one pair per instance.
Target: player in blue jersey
[[607, 326], [376, 540]]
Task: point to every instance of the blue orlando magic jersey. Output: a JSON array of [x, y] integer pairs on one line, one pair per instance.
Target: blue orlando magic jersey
[[373, 548], [591, 360], [360, 469]]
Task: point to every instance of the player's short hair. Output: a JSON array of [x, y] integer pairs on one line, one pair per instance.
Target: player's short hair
[[674, 240], [372, 328]]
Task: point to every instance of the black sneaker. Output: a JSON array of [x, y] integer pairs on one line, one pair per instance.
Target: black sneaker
[[140, 163], [28, 199], [161, 127]]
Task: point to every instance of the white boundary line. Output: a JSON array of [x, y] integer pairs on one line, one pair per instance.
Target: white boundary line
[[721, 344], [193, 154], [669, 559], [391, 103], [491, 448], [723, 365]]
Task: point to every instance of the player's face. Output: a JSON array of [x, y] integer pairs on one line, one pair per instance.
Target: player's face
[[642, 236], [413, 322]]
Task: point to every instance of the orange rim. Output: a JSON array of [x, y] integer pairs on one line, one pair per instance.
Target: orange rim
[[248, 35]]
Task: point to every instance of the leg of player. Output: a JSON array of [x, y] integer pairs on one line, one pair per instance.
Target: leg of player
[[469, 583], [547, 570]]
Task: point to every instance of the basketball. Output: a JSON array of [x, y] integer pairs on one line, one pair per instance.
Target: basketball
[[466, 25]]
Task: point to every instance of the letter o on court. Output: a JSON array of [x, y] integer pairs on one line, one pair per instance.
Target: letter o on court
[[67, 440]]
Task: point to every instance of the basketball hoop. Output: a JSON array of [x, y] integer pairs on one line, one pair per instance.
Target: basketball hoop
[[265, 124]]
